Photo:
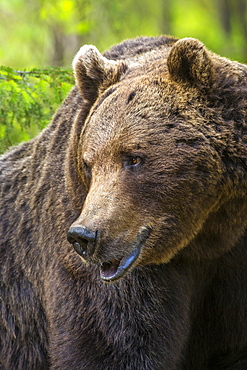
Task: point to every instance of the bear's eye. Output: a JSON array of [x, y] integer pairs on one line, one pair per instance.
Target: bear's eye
[[132, 161]]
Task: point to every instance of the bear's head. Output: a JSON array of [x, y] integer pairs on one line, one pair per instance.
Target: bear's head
[[157, 162]]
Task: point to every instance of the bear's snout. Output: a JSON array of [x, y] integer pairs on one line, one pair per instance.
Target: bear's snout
[[83, 240]]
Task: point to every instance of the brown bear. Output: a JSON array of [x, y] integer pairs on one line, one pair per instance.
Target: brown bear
[[144, 170]]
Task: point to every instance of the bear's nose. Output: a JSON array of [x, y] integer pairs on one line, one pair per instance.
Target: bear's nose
[[82, 239]]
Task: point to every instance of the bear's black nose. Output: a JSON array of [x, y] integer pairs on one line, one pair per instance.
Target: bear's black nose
[[82, 239]]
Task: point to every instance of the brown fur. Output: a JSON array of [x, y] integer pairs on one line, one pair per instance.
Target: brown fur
[[147, 154]]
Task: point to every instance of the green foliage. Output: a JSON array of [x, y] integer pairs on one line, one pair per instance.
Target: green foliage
[[28, 100], [49, 32], [36, 33]]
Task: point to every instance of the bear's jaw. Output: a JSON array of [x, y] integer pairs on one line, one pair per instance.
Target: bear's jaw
[[114, 270]]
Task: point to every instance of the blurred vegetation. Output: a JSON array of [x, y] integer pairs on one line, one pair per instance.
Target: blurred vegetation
[[28, 100], [38, 33]]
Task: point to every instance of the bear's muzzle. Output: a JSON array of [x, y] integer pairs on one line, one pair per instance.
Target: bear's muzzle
[[84, 242]]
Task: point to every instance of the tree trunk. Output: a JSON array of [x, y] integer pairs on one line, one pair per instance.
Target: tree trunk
[[58, 46]]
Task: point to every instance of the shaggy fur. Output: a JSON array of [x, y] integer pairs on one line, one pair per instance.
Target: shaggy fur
[[148, 155]]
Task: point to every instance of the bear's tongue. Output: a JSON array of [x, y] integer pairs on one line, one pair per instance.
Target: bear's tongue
[[114, 270], [109, 269]]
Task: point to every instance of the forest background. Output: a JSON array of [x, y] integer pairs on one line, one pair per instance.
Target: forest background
[[38, 39]]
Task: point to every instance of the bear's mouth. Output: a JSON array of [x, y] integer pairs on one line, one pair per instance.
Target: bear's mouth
[[116, 269]]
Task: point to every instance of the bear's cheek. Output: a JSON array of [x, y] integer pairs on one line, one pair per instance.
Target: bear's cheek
[[176, 211]]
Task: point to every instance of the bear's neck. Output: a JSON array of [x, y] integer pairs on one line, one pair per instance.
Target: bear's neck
[[223, 231]]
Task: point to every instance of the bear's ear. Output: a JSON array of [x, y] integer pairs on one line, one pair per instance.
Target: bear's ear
[[93, 72], [189, 62]]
